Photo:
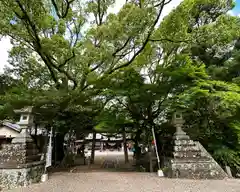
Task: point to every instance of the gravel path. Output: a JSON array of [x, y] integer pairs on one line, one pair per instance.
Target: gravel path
[[127, 182], [95, 180]]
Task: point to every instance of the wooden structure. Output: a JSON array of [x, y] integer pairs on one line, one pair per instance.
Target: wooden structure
[[102, 142]]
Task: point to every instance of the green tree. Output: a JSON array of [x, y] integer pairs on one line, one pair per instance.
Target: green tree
[[76, 42], [209, 36], [75, 56], [63, 50], [191, 53]]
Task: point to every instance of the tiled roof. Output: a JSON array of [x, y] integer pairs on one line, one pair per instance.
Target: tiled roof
[[15, 127]]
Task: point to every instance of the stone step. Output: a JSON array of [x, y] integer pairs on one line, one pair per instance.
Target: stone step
[[8, 157], [181, 154], [184, 142], [201, 169], [192, 160], [14, 161], [16, 147], [199, 174], [193, 165], [186, 148]]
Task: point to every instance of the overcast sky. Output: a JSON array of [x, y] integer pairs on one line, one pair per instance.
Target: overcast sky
[[5, 45]]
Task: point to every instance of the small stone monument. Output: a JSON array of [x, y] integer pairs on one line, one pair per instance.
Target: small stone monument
[[20, 162], [189, 158]]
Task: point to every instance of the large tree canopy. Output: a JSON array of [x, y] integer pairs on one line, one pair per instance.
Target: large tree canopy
[[68, 47], [75, 42]]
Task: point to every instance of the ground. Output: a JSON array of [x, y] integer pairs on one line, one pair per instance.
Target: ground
[[96, 180], [127, 182]]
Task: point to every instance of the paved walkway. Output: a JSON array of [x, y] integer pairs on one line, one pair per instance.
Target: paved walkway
[[127, 182]]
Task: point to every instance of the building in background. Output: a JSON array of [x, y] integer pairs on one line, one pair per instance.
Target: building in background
[[9, 130], [103, 141]]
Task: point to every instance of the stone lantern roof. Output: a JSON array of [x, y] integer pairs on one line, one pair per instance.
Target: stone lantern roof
[[24, 110]]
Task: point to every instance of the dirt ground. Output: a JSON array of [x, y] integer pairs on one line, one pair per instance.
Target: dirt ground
[[103, 180], [127, 182]]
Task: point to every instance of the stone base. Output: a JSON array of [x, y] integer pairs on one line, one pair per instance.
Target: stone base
[[190, 160], [19, 153], [24, 175], [196, 170]]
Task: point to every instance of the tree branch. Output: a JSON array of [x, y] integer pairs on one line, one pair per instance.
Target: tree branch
[[163, 3], [67, 8], [121, 48], [51, 72], [46, 58], [71, 34], [56, 8], [77, 28], [155, 113], [97, 66], [68, 59], [100, 15], [170, 40], [145, 42], [64, 13]]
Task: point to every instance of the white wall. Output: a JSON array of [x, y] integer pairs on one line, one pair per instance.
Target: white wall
[[5, 131]]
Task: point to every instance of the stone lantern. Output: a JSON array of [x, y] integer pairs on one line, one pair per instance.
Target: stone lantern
[[178, 122], [20, 161], [25, 123], [189, 159]]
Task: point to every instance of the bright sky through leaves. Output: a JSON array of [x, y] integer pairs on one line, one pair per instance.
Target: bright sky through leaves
[[5, 42]]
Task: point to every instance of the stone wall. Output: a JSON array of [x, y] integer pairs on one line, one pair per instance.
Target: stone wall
[[11, 178], [14, 154]]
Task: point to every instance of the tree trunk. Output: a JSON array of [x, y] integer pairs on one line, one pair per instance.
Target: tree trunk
[[136, 145], [125, 147], [44, 150], [35, 129], [45, 147], [93, 147]]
